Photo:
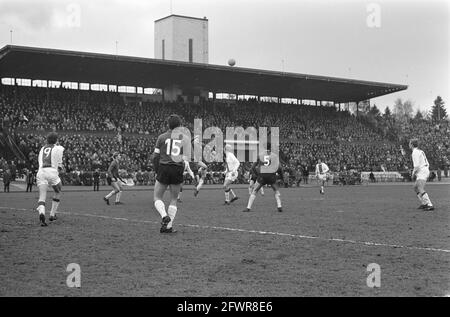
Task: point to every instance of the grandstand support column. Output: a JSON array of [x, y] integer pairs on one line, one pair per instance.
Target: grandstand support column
[[48, 93], [357, 108], [79, 92]]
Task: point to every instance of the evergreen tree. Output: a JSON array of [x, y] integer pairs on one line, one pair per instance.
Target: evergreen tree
[[438, 111]]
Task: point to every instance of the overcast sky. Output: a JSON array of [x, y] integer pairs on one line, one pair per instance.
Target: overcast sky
[[406, 43]]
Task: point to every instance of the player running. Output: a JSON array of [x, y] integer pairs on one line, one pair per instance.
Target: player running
[[200, 177], [50, 163], [321, 174], [115, 180], [187, 171], [420, 173], [169, 168], [231, 174], [268, 171]]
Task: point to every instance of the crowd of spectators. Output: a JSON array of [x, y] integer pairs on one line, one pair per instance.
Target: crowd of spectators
[[93, 125]]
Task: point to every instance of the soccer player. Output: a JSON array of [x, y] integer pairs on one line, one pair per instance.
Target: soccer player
[[114, 180], [270, 161], [96, 178], [200, 177], [420, 174], [231, 174], [253, 177], [50, 163], [169, 172], [321, 174], [187, 171]]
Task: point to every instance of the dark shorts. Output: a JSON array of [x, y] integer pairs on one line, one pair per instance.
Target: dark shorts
[[267, 179], [170, 174], [201, 174], [110, 180], [254, 178]]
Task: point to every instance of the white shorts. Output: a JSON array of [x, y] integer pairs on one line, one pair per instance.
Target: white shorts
[[423, 174], [322, 177], [48, 176], [231, 176]]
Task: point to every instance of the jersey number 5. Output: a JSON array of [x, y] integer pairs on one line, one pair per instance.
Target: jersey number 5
[[173, 147]]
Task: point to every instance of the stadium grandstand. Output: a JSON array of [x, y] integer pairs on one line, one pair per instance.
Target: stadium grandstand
[[102, 103]]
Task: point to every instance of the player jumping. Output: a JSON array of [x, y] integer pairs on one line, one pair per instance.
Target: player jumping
[[169, 170], [50, 163], [231, 174], [420, 173], [268, 171], [321, 175], [115, 180]]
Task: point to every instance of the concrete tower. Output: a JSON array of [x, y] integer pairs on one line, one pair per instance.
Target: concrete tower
[[182, 38]]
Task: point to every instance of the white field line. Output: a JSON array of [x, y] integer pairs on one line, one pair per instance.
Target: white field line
[[280, 234]]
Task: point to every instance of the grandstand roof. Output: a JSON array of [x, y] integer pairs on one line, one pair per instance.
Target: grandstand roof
[[73, 66]]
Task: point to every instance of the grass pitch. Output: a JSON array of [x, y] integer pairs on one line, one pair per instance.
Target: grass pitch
[[319, 246]]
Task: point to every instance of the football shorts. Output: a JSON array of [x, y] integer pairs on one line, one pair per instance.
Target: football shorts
[[47, 176], [201, 174], [231, 176], [170, 174], [423, 174], [267, 179], [322, 177]]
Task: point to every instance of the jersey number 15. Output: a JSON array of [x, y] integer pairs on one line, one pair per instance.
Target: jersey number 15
[[173, 147]]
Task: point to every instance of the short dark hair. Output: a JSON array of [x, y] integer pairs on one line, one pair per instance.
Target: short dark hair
[[52, 137], [414, 142], [174, 121]]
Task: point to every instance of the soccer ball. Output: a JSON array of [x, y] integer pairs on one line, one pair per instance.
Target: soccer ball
[[231, 62]]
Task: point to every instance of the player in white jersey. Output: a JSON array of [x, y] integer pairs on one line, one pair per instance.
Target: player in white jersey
[[420, 174], [322, 174], [231, 174], [187, 171], [50, 162]]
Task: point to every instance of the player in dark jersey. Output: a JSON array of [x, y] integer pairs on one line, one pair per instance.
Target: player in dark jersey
[[169, 166], [114, 180], [268, 170], [253, 177], [200, 176]]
